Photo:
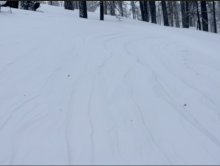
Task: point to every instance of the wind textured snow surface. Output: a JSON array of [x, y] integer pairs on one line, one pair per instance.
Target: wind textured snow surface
[[84, 91]]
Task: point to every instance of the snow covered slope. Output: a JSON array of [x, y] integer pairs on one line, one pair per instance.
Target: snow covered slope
[[84, 91]]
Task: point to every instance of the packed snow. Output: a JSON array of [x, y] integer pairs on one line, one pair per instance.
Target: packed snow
[[85, 91]]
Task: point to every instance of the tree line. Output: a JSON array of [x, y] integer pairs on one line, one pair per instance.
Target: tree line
[[203, 15]]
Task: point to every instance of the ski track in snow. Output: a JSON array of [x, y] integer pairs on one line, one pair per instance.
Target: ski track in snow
[[74, 92]]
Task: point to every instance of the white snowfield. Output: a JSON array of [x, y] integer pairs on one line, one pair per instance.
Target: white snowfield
[[85, 91]]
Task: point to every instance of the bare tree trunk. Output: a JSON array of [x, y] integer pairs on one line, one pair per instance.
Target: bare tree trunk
[[205, 26], [198, 18], [190, 14], [82, 9], [153, 11], [183, 11], [214, 19], [68, 5], [170, 12], [210, 16], [121, 7], [145, 7], [101, 10], [159, 17], [165, 16], [112, 7], [176, 14], [142, 10], [187, 14], [133, 9]]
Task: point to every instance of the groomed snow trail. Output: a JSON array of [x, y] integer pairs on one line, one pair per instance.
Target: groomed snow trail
[[84, 91]]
